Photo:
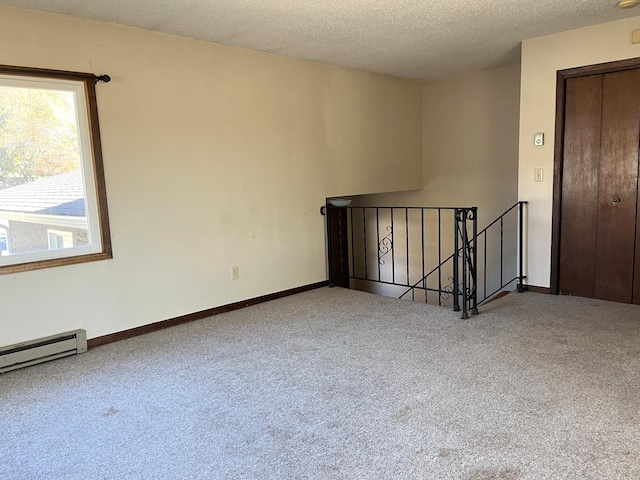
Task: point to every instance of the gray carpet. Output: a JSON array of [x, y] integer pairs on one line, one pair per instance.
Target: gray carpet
[[338, 384]]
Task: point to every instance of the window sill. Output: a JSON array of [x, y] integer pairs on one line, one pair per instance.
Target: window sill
[[57, 262]]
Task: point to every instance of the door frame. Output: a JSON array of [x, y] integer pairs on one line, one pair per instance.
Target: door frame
[[558, 154]]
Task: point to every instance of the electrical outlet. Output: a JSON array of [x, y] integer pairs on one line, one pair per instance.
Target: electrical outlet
[[234, 273]]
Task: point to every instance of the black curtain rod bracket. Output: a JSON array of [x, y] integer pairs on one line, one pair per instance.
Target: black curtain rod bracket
[[102, 78]]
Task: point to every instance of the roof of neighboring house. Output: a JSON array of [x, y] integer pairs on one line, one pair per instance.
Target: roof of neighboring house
[[56, 195]]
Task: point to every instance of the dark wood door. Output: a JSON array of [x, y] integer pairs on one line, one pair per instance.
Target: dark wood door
[[599, 246]]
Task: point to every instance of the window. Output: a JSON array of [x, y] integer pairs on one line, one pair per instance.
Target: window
[[59, 239], [52, 197], [4, 244]]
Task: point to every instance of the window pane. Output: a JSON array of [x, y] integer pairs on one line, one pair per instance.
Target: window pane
[[41, 177]]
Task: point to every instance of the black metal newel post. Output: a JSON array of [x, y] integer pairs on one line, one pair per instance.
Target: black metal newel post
[[474, 271], [465, 259], [329, 249], [406, 227], [393, 250], [456, 256], [364, 239], [424, 279], [439, 257], [378, 240], [353, 246], [520, 247]]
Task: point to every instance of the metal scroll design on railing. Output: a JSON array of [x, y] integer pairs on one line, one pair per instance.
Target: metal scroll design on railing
[[448, 291], [385, 245]]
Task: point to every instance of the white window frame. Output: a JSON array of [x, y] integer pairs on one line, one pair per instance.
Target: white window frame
[[97, 224]]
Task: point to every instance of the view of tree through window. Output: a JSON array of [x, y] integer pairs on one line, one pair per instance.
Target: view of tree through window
[[38, 134]]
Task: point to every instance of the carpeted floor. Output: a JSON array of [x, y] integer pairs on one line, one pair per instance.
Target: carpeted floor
[[339, 384]]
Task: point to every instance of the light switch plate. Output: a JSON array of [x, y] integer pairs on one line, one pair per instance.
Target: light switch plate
[[538, 139], [538, 174]]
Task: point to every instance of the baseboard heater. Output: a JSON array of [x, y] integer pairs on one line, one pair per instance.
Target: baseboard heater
[[42, 350]]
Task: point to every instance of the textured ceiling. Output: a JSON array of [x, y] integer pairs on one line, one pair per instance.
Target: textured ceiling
[[405, 38]]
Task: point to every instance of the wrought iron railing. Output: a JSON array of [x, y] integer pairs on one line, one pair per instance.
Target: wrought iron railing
[[504, 225], [429, 254]]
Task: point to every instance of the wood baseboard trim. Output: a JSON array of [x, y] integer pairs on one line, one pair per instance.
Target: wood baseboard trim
[[172, 322], [498, 295], [534, 289]]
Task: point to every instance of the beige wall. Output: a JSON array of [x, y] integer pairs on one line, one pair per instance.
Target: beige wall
[[470, 144], [541, 59], [214, 157], [470, 158]]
